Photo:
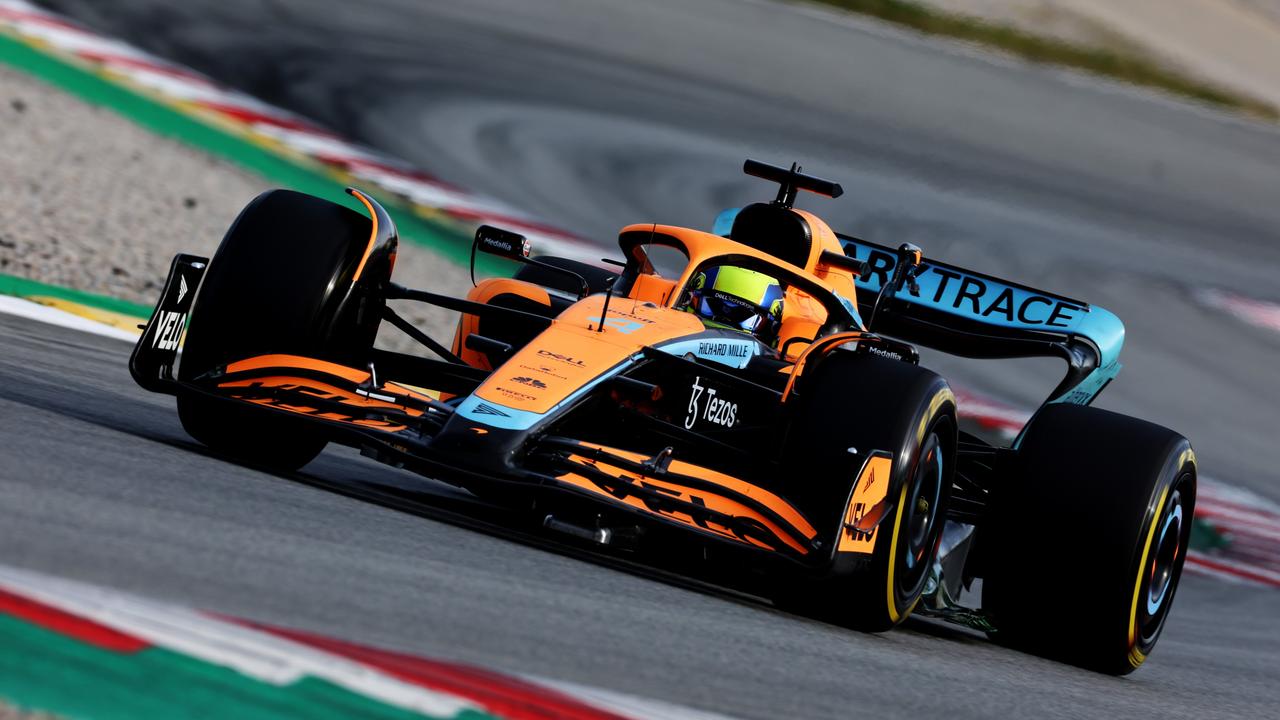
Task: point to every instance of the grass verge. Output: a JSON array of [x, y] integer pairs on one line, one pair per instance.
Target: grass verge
[[32, 289], [1129, 67]]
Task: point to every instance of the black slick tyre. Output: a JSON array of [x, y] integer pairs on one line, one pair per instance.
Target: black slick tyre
[[279, 283], [850, 406], [1087, 537]]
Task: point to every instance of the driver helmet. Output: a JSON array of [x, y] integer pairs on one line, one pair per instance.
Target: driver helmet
[[738, 299]]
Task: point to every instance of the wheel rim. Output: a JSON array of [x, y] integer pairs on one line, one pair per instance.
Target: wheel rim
[[923, 501], [1167, 548], [1168, 551]]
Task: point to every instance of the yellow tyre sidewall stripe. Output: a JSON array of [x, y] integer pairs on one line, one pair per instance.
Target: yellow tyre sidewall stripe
[[1136, 656], [892, 604], [891, 600]]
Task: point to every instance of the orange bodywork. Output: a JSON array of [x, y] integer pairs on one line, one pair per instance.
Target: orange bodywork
[[710, 500], [575, 350], [373, 234], [320, 391], [654, 289], [867, 499], [483, 292], [704, 246], [317, 389], [802, 315], [801, 318], [297, 361], [643, 318], [824, 238], [507, 425]]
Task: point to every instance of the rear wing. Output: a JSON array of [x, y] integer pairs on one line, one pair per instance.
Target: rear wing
[[971, 314]]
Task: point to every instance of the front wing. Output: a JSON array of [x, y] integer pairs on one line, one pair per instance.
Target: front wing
[[410, 427], [405, 427]]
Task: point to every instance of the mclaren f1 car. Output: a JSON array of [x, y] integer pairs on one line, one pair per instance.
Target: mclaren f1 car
[[751, 392]]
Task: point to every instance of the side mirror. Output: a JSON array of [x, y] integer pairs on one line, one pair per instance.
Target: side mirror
[[514, 246], [504, 243]]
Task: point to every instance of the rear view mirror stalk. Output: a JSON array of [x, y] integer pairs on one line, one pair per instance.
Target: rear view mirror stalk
[[514, 246], [904, 274]]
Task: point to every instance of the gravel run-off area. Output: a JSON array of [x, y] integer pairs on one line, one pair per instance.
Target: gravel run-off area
[[1231, 43], [92, 202], [1061, 19]]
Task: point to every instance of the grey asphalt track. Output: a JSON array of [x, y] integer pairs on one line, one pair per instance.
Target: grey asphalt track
[[99, 483], [596, 114], [599, 113]]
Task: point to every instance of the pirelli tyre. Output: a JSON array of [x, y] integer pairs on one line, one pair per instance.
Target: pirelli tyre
[[1087, 537], [854, 411], [278, 283]]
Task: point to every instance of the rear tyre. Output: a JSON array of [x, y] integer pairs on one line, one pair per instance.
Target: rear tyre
[[279, 283], [1087, 537], [864, 403]]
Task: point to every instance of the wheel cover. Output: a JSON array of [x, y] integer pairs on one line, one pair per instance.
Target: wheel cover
[[1168, 544], [1164, 564], [923, 500]]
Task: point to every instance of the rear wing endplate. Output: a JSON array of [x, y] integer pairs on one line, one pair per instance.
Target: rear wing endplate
[[971, 314]]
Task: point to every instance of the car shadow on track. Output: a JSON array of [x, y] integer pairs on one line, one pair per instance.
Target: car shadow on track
[[341, 471]]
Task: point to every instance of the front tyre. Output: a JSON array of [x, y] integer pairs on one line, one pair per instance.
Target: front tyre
[[863, 403], [881, 593], [1088, 536], [280, 282]]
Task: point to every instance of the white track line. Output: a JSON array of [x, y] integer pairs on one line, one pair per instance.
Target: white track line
[[280, 661], [259, 655], [53, 316]]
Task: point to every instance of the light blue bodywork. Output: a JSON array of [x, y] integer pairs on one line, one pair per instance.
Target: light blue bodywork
[[991, 301], [712, 348], [728, 351]]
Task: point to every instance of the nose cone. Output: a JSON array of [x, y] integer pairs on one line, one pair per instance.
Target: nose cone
[[487, 450]]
